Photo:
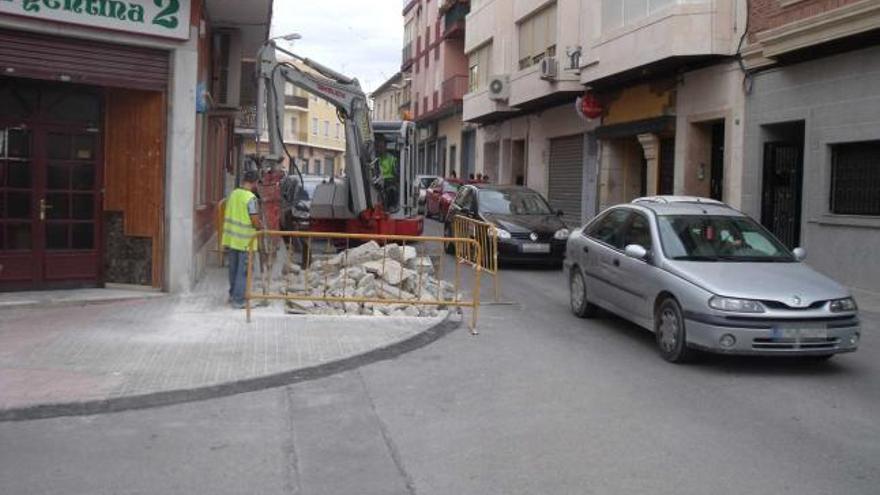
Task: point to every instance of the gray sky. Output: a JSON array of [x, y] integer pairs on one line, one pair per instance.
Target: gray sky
[[360, 38]]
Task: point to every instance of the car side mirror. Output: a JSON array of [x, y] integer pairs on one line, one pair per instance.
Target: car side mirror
[[560, 213], [800, 254], [636, 252]]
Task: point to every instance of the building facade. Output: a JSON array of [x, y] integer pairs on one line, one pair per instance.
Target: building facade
[[662, 74], [434, 58], [313, 134], [813, 131], [118, 137], [391, 101]]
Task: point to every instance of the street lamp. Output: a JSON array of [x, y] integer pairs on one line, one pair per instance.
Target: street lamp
[[287, 37]]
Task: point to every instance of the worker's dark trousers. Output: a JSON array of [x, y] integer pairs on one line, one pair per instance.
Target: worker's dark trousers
[[238, 261]]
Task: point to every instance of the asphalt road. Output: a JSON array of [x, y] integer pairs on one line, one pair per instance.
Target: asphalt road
[[539, 403]]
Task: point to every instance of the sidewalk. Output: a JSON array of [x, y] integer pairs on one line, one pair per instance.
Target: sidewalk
[[66, 359]]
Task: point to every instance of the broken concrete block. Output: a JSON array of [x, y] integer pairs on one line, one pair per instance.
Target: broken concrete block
[[401, 254]]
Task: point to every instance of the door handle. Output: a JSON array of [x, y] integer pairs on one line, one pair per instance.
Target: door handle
[[616, 262], [43, 208], [586, 249]]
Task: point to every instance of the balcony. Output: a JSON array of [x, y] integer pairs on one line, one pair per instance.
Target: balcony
[[447, 101], [246, 119], [454, 20], [407, 59], [656, 42], [296, 101]]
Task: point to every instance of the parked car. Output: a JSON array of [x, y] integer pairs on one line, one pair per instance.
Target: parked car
[[439, 196], [529, 231], [702, 275], [420, 188]]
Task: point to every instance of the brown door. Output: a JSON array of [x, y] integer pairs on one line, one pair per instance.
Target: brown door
[[50, 176]]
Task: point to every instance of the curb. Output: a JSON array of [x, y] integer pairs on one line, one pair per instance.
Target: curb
[[172, 397], [78, 302]]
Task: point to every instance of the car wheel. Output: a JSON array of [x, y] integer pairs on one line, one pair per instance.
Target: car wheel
[[580, 306], [670, 332]]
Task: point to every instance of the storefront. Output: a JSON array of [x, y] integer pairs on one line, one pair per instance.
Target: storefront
[[638, 142], [112, 157], [70, 156]]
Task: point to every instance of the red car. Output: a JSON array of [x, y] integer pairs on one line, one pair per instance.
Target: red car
[[439, 196]]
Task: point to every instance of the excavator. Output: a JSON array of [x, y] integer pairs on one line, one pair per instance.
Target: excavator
[[360, 202]]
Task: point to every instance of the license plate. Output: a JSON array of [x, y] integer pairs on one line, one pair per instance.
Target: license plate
[[800, 333], [536, 248]]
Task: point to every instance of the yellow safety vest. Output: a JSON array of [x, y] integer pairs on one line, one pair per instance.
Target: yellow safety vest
[[237, 227]]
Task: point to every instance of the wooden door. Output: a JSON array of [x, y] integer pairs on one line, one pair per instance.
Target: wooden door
[[50, 183]]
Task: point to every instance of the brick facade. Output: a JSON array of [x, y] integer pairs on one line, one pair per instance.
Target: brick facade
[[769, 14]]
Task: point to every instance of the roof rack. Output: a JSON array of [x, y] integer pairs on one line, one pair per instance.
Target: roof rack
[[678, 199]]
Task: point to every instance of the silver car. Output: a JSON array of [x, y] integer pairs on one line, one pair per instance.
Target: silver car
[[702, 275]]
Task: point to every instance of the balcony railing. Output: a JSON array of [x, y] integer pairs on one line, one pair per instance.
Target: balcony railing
[[247, 117], [454, 24], [407, 56], [454, 89], [296, 101]]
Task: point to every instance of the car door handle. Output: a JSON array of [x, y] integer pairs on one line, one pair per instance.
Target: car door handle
[[616, 262], [586, 249]]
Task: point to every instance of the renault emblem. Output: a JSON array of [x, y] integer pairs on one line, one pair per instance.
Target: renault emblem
[[533, 237], [796, 300]]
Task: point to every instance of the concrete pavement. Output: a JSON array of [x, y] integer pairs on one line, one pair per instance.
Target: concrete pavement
[[81, 359]]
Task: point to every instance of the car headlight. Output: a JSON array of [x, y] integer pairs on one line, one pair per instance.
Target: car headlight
[[561, 234], [734, 305], [845, 304], [502, 234]]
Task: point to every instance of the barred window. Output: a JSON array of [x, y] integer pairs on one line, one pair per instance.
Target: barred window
[[855, 178]]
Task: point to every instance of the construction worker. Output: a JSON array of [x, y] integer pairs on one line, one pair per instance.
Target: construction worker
[[242, 220], [388, 168]]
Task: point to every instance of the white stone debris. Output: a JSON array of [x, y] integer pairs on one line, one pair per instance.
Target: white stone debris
[[369, 271]]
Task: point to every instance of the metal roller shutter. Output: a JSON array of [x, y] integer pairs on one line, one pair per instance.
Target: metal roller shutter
[[41, 56], [567, 176]]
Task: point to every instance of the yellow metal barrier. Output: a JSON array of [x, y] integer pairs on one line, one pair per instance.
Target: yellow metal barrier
[[393, 295], [486, 257], [219, 222]]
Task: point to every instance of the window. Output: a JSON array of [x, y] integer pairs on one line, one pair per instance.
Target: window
[[314, 126], [479, 63], [326, 128], [537, 37], [294, 128], [317, 166], [618, 13], [427, 38], [427, 59], [338, 133], [639, 232], [718, 238], [608, 228], [855, 178]]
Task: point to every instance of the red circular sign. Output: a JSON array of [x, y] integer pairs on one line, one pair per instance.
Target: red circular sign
[[591, 107]]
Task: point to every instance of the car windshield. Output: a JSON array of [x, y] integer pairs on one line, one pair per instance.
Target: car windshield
[[309, 186], [719, 238], [514, 202], [427, 181], [451, 187]]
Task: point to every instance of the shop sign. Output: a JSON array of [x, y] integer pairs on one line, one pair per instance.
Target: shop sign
[[166, 18]]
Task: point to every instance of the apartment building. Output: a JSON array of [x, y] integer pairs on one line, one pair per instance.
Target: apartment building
[[118, 137], [313, 134], [433, 55], [813, 131], [660, 74], [391, 101]]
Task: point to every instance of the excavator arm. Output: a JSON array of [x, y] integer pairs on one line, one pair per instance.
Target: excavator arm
[[342, 199]]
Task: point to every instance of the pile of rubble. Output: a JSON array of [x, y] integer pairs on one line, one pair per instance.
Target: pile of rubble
[[369, 271]]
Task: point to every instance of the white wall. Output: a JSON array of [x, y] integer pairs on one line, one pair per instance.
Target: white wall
[[705, 95]]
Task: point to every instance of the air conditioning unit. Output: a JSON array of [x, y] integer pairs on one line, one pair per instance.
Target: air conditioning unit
[[549, 68], [227, 54], [499, 88]]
